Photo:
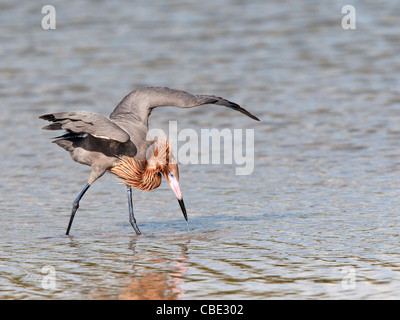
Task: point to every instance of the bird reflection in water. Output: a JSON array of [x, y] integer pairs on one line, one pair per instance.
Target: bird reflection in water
[[163, 281]]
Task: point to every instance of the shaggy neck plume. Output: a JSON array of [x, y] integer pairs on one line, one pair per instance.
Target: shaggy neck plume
[[144, 174]]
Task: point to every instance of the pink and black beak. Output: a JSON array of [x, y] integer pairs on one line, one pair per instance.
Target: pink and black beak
[[174, 184]]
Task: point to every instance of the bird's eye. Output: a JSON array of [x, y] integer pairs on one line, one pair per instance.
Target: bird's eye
[[171, 175]]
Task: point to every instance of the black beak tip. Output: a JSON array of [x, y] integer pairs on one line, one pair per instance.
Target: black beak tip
[[182, 205]]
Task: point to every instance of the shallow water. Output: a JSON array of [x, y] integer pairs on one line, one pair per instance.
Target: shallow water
[[318, 217]]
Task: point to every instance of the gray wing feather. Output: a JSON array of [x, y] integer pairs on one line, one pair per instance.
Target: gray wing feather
[[205, 99], [140, 102], [80, 122]]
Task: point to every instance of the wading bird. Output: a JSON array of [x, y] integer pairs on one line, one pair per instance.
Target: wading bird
[[118, 144]]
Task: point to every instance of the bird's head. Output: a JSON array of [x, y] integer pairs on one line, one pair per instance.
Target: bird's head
[[171, 174], [161, 161]]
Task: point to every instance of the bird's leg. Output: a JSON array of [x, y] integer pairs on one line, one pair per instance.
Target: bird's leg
[[75, 206], [132, 219]]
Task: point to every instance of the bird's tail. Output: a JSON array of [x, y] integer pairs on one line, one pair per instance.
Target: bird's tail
[[67, 144]]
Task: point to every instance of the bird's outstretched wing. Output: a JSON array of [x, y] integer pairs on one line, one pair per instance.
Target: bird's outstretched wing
[[140, 102], [80, 122]]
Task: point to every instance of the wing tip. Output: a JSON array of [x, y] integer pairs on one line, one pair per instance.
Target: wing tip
[[48, 117], [250, 115], [255, 118], [224, 102]]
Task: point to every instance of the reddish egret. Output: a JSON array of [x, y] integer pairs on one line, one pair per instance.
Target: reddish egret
[[118, 144]]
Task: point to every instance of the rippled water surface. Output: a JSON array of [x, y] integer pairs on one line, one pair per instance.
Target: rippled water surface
[[317, 218]]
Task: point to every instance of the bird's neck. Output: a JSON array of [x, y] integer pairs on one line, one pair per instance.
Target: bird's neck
[[144, 174], [134, 173]]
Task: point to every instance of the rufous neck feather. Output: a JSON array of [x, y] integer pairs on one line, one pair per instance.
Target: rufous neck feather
[[144, 174]]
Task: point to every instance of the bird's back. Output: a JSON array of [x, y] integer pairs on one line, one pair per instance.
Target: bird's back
[[137, 133]]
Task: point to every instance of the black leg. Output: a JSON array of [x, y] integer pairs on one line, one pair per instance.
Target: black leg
[[75, 206], [132, 219]]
